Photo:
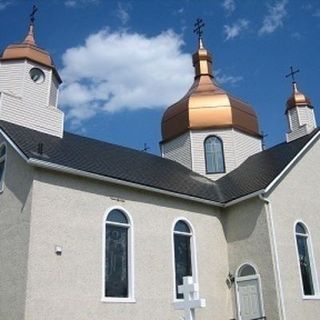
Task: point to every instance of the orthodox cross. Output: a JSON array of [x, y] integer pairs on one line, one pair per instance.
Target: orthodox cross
[[145, 148], [198, 26], [191, 301], [292, 73], [34, 10]]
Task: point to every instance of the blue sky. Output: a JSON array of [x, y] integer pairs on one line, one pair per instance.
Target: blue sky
[[124, 62]]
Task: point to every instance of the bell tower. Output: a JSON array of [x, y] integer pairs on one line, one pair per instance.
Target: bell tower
[[29, 86], [299, 112]]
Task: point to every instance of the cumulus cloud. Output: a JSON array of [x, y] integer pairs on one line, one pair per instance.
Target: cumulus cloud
[[234, 30], [76, 3], [113, 71], [122, 13], [229, 6], [274, 19], [222, 78]]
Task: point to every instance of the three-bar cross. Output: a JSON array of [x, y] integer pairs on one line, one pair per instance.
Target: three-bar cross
[[292, 73], [34, 10], [198, 27]]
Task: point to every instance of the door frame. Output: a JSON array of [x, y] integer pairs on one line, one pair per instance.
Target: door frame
[[251, 277]]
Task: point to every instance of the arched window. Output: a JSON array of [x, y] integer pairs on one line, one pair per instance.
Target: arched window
[[184, 261], [117, 257], [246, 270], [213, 149], [3, 151], [307, 271]]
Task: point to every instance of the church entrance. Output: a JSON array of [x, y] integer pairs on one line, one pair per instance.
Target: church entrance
[[248, 294]]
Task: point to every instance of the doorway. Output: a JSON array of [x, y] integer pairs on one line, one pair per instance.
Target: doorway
[[248, 294]]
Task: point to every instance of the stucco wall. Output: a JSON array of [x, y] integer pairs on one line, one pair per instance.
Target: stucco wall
[[247, 234], [297, 198], [69, 210], [15, 207]]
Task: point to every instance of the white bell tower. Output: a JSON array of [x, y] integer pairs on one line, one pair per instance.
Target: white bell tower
[[29, 86]]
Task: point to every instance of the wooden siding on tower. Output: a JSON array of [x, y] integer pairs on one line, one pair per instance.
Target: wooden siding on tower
[[179, 150]]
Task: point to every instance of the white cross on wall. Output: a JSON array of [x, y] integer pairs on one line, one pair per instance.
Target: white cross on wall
[[191, 301]]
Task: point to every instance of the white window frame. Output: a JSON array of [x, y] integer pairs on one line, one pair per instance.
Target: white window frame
[[131, 296], [4, 160], [194, 264], [250, 277], [205, 154], [314, 274]]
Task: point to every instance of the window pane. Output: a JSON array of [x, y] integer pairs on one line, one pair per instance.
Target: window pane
[[247, 270], [116, 264], [1, 170], [117, 216], [214, 155], [182, 227], [305, 267], [300, 228], [2, 151], [182, 257]]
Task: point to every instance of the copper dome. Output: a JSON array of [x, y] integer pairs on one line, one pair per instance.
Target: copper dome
[[206, 106], [297, 99]]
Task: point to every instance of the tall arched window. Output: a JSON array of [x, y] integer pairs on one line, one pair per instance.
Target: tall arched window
[[117, 257], [213, 149], [3, 151], [307, 271], [184, 259]]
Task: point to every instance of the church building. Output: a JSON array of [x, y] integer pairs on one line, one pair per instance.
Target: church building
[[93, 230]]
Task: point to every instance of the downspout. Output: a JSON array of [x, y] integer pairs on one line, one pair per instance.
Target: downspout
[[275, 256]]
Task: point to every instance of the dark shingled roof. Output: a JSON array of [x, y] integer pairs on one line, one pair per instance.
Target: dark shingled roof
[[130, 165]]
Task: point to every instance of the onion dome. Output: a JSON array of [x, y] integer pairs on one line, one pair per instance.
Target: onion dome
[[297, 99], [29, 50], [206, 106]]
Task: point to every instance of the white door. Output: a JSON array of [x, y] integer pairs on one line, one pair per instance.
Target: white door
[[249, 302]]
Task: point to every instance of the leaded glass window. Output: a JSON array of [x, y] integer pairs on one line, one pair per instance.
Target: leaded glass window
[[213, 148], [302, 239], [182, 253], [117, 230], [3, 151]]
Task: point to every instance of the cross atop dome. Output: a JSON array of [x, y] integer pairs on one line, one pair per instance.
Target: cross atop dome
[[198, 26], [29, 39]]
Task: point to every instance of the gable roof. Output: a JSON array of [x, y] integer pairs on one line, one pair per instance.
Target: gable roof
[[104, 159]]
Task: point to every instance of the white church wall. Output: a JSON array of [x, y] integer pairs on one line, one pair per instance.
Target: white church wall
[[296, 198], [237, 146], [68, 211], [179, 150], [15, 208], [247, 233]]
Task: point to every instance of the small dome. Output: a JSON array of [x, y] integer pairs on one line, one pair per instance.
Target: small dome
[[297, 99], [29, 50], [206, 106]]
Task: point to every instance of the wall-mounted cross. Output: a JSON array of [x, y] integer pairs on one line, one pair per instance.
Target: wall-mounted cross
[[292, 73], [198, 26], [34, 10]]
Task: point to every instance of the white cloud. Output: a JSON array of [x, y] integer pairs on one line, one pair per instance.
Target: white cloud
[[229, 6], [113, 71], [5, 3], [222, 78], [122, 13], [274, 19], [76, 3], [234, 30]]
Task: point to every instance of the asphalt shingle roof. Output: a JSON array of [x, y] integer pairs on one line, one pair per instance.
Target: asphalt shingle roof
[[113, 161]]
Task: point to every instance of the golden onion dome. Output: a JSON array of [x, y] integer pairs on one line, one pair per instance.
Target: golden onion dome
[[297, 98], [206, 106], [29, 50]]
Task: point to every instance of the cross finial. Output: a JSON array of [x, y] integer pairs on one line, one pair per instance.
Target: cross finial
[[32, 18], [198, 26], [292, 73]]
